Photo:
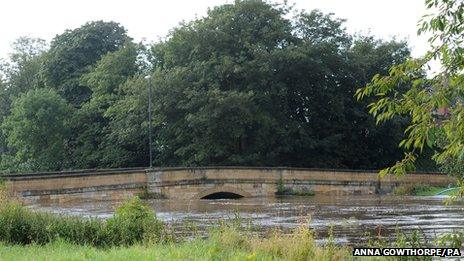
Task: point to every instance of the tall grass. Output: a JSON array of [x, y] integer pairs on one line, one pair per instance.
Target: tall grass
[[3, 193], [225, 243], [134, 233], [298, 245], [132, 223]]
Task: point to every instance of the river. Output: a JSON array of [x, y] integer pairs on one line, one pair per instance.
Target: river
[[351, 217]]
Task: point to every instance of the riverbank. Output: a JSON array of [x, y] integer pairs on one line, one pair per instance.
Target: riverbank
[[134, 233], [27, 234], [421, 190], [226, 242], [352, 216], [223, 244]]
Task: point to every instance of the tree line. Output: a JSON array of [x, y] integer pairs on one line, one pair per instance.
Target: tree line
[[252, 83]]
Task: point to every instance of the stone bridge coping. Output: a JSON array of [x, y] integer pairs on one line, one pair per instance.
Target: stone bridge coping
[[94, 172], [199, 182]]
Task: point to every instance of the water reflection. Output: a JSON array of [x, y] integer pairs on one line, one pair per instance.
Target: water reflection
[[350, 216]]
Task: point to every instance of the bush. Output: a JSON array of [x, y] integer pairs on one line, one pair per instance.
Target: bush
[[132, 223], [145, 194], [293, 191]]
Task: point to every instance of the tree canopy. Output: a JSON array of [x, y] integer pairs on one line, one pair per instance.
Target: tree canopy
[[73, 52], [252, 83], [36, 131], [433, 102], [246, 85]]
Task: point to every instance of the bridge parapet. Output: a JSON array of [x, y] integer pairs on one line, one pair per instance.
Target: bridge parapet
[[193, 183], [197, 183]]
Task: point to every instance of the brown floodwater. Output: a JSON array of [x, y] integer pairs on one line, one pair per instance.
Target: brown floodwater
[[351, 218]]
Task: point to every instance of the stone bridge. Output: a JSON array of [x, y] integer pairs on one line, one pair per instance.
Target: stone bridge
[[204, 182]]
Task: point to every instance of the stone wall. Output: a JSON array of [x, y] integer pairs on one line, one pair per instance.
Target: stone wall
[[77, 185], [196, 183]]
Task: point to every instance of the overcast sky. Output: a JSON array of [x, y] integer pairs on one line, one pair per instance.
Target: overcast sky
[[151, 19]]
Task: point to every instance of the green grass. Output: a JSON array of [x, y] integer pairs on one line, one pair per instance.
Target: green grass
[[428, 191], [226, 243], [135, 234], [66, 251], [132, 223], [417, 190], [450, 192], [190, 251]]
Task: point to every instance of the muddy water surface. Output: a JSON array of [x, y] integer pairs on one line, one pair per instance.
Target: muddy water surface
[[351, 217]]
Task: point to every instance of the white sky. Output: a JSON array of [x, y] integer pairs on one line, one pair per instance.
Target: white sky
[[151, 19]]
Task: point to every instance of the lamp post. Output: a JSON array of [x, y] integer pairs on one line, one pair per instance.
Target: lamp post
[[148, 78]]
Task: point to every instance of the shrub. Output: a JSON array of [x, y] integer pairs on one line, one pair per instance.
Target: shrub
[[293, 191], [132, 223], [281, 190], [145, 194], [19, 225]]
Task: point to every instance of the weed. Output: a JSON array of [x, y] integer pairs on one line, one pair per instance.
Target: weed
[[132, 223], [145, 194]]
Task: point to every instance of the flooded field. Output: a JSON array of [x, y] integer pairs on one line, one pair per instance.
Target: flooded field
[[351, 217]]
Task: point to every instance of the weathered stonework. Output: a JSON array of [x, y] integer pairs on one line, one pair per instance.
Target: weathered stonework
[[196, 183]]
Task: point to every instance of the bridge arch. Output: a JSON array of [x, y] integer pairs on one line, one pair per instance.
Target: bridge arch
[[219, 191]]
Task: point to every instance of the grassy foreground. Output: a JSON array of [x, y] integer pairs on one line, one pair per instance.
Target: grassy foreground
[[224, 245], [134, 233], [64, 251]]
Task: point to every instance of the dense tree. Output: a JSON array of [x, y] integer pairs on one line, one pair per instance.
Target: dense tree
[[90, 122], [365, 144], [73, 52], [37, 131], [245, 85], [4, 108], [211, 102], [127, 138], [249, 84], [4, 99], [434, 103], [19, 74]]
